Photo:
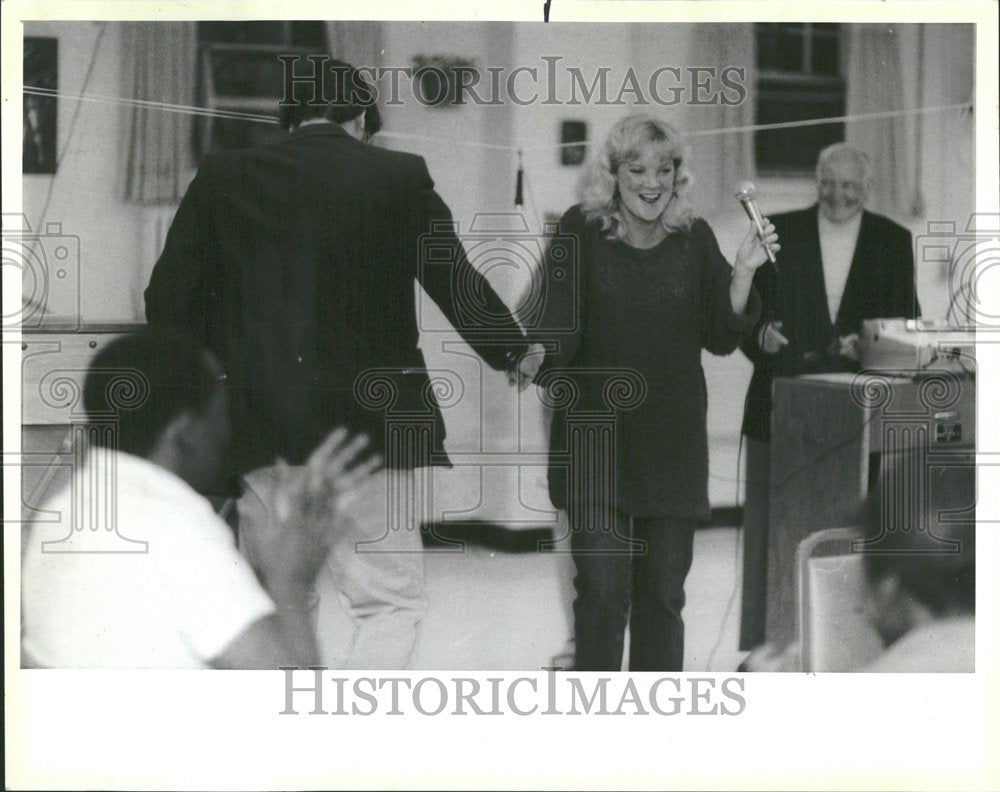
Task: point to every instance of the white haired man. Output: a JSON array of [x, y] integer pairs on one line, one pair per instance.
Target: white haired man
[[840, 264]]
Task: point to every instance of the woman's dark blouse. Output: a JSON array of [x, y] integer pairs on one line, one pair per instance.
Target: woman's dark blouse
[[650, 311]]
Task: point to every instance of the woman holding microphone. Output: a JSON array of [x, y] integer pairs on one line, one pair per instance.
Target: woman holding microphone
[[652, 291]]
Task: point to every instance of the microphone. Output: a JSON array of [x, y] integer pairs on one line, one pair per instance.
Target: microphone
[[747, 195]]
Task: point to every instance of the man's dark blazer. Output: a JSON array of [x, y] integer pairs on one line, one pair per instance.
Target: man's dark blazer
[[295, 263], [879, 285]]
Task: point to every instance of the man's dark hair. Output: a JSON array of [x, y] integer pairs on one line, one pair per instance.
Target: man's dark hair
[[143, 381], [927, 543], [346, 94]]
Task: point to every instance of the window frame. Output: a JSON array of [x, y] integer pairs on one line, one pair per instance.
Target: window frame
[[819, 90], [211, 97]]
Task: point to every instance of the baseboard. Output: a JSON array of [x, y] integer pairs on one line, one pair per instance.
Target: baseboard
[[490, 535], [495, 536]]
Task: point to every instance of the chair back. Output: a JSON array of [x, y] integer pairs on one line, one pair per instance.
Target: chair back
[[834, 633]]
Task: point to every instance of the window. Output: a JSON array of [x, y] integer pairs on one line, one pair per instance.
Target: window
[[799, 77], [239, 70]]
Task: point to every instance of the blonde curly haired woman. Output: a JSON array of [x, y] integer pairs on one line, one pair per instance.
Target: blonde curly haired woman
[[652, 290]]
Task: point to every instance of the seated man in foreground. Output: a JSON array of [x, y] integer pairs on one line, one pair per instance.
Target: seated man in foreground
[[190, 600], [921, 580], [920, 572]]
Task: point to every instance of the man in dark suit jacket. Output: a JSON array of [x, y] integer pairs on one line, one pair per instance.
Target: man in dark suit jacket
[[295, 263], [839, 264]]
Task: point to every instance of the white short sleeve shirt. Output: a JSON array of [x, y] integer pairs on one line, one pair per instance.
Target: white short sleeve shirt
[[176, 604]]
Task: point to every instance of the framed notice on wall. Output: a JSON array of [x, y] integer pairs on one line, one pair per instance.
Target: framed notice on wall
[[41, 67]]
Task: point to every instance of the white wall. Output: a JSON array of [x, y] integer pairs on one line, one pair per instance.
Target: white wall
[[116, 243]]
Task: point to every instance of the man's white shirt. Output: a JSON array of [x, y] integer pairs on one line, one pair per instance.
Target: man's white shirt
[[837, 243], [176, 605], [946, 645]]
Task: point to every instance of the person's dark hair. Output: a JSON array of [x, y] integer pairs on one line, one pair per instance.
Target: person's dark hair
[[346, 94], [927, 543], [143, 381]]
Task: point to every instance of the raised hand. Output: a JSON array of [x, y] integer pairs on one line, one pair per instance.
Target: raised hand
[[771, 340], [307, 505], [849, 347]]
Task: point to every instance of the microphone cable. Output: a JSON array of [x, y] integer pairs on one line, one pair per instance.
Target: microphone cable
[[767, 307]]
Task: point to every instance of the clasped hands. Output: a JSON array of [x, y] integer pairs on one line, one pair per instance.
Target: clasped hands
[[527, 366]]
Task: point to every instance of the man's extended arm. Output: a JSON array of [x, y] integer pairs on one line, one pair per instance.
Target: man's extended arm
[[462, 293]]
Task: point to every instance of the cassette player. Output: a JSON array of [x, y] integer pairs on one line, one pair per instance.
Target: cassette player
[[916, 345]]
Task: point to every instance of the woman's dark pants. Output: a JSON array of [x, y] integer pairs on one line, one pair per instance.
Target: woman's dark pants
[[637, 562]]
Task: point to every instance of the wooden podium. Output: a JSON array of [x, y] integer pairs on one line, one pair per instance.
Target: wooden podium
[[828, 432]]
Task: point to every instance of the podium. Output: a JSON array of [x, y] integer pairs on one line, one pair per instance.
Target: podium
[[828, 435]]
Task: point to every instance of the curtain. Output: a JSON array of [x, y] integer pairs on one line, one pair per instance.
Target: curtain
[[945, 141], [722, 160], [159, 65], [875, 83]]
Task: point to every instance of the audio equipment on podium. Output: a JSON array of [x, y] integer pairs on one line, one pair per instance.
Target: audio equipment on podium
[[916, 345]]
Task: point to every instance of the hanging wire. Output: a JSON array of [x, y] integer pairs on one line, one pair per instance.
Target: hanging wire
[[269, 119], [193, 110]]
